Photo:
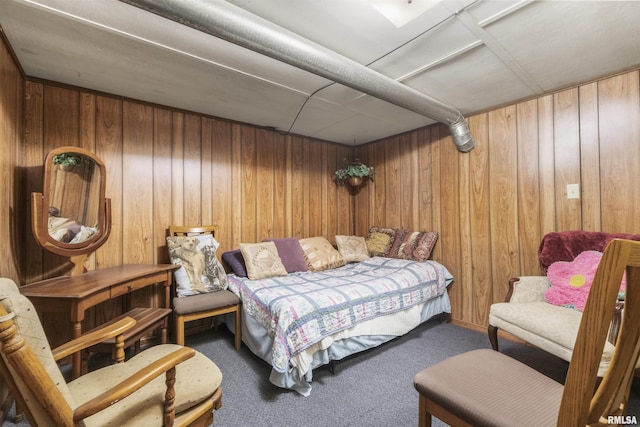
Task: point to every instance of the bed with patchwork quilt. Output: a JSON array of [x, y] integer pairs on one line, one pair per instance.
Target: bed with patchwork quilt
[[299, 320]]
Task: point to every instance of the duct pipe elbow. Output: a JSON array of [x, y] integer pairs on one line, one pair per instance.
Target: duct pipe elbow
[[462, 135]]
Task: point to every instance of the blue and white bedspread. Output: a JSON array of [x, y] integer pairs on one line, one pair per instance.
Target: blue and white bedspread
[[300, 309]]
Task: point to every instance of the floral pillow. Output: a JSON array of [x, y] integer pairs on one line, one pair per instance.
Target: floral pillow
[[200, 271], [571, 281]]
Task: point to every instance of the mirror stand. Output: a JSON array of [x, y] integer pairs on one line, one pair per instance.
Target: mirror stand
[[72, 217]]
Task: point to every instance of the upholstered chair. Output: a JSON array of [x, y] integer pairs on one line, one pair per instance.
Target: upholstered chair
[[164, 385], [526, 313]]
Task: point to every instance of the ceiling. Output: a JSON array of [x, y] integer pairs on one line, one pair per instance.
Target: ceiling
[[471, 55]]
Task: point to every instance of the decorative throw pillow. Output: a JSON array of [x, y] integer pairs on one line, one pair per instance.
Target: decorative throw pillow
[[236, 262], [262, 260], [352, 248], [290, 253], [571, 281], [414, 245], [320, 254], [200, 271], [379, 241]]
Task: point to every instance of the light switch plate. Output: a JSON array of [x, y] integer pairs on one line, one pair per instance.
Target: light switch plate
[[573, 191]]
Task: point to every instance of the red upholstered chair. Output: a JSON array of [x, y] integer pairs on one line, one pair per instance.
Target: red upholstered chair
[[487, 388]]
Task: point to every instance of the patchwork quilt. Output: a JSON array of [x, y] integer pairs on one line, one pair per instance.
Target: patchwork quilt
[[300, 309]]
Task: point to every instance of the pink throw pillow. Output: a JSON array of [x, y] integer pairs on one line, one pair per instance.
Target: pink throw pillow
[[571, 281]]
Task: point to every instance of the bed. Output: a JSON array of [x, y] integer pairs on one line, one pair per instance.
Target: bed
[[302, 320]]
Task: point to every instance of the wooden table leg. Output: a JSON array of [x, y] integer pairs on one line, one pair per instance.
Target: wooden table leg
[[76, 358]]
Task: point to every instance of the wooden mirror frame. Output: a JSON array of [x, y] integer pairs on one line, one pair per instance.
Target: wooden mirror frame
[[40, 203]]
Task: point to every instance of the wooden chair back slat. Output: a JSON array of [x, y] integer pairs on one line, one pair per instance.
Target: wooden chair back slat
[[580, 406]]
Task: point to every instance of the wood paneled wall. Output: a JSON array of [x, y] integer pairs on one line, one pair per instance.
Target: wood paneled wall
[[493, 205], [11, 97], [166, 167]]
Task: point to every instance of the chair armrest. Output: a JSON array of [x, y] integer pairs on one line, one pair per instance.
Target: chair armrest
[[93, 337], [136, 381], [527, 289]]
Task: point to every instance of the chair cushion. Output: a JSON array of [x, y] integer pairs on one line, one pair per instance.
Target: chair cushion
[[497, 390], [204, 302], [547, 326], [196, 380], [30, 328]]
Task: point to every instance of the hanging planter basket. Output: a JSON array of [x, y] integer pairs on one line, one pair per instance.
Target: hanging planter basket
[[355, 181], [354, 173]]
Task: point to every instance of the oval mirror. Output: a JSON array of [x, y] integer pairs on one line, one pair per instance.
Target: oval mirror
[[72, 216]]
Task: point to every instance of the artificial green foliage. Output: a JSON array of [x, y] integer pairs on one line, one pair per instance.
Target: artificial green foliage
[[354, 168], [67, 159]]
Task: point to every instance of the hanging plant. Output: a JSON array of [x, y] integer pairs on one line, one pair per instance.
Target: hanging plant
[[353, 170]]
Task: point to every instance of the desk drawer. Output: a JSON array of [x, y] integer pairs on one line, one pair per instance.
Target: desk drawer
[[134, 285]]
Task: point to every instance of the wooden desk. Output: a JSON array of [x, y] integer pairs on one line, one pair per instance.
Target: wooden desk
[[76, 294]]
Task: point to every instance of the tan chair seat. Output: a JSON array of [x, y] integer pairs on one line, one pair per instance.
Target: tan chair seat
[[466, 385], [203, 302], [550, 327], [195, 379]]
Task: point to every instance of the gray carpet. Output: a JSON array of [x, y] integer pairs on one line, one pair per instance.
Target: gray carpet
[[374, 388]]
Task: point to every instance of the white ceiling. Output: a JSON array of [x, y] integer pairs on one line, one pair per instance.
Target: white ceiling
[[472, 55]]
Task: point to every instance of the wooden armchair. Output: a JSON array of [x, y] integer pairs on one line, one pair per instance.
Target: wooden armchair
[[202, 306], [485, 387], [165, 385]]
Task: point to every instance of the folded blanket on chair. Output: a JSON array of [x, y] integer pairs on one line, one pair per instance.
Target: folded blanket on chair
[[567, 245]]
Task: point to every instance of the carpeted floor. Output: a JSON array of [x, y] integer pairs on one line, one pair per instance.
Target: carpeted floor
[[374, 388]]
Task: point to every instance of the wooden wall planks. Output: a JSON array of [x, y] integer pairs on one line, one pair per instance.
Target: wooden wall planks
[[13, 166], [168, 167], [491, 206]]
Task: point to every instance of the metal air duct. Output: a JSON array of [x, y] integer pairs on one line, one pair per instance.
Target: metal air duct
[[231, 23]]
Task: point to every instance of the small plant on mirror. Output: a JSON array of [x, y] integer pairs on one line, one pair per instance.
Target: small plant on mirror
[[353, 172], [67, 159]]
